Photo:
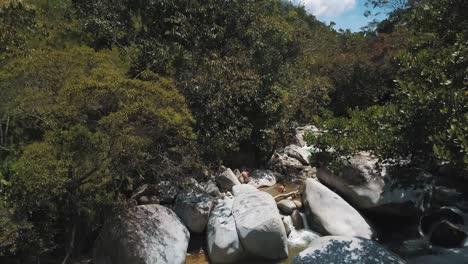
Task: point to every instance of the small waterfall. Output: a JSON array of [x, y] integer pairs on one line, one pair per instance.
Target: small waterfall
[[302, 237]]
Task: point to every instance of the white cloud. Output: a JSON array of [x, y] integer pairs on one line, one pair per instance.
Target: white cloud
[[328, 7]]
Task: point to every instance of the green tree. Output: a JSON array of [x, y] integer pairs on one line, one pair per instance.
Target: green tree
[[84, 135]]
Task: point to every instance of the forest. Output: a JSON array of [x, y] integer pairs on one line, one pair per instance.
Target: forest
[[98, 98]]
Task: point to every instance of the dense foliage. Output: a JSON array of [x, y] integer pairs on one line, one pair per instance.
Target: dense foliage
[[99, 97], [426, 120]]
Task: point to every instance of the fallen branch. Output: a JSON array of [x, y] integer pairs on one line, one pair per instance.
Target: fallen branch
[[286, 195]]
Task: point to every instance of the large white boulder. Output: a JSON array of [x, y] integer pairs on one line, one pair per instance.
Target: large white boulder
[[346, 250], [222, 240], [227, 180], [145, 234], [193, 207], [259, 225], [243, 188], [330, 214], [366, 185]]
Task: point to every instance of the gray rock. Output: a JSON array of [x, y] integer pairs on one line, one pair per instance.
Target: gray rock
[[223, 243], [286, 227], [148, 200], [298, 204], [164, 191], [381, 189], [429, 220], [259, 225], [290, 168], [448, 235], [296, 219], [191, 183], [262, 178], [296, 152], [346, 250], [286, 206], [227, 180], [212, 189], [243, 188], [194, 207], [145, 234], [330, 214]]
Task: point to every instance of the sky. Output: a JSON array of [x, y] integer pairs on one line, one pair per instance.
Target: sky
[[347, 14]]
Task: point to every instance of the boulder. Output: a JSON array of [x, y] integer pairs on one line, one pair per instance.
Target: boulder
[[243, 188], [338, 249], [212, 189], [448, 235], [382, 189], [286, 206], [450, 214], [164, 192], [223, 243], [299, 153], [167, 192], [144, 234], [291, 168], [194, 207], [227, 180], [148, 200], [296, 219], [259, 225], [262, 178], [330, 214]]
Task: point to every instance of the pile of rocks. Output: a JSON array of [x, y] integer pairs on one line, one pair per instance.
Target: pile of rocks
[[242, 223]]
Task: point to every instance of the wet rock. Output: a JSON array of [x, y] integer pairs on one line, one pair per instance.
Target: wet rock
[[262, 178], [296, 219], [286, 206], [337, 249], [227, 180], [286, 227], [299, 153], [223, 243], [450, 214], [243, 188], [372, 186], [448, 235], [145, 234], [194, 207], [298, 204], [451, 256], [259, 225], [330, 214]]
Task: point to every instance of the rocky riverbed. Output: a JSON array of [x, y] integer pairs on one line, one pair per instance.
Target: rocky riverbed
[[293, 213]]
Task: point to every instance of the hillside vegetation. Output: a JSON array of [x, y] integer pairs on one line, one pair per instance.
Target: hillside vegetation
[[99, 97]]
